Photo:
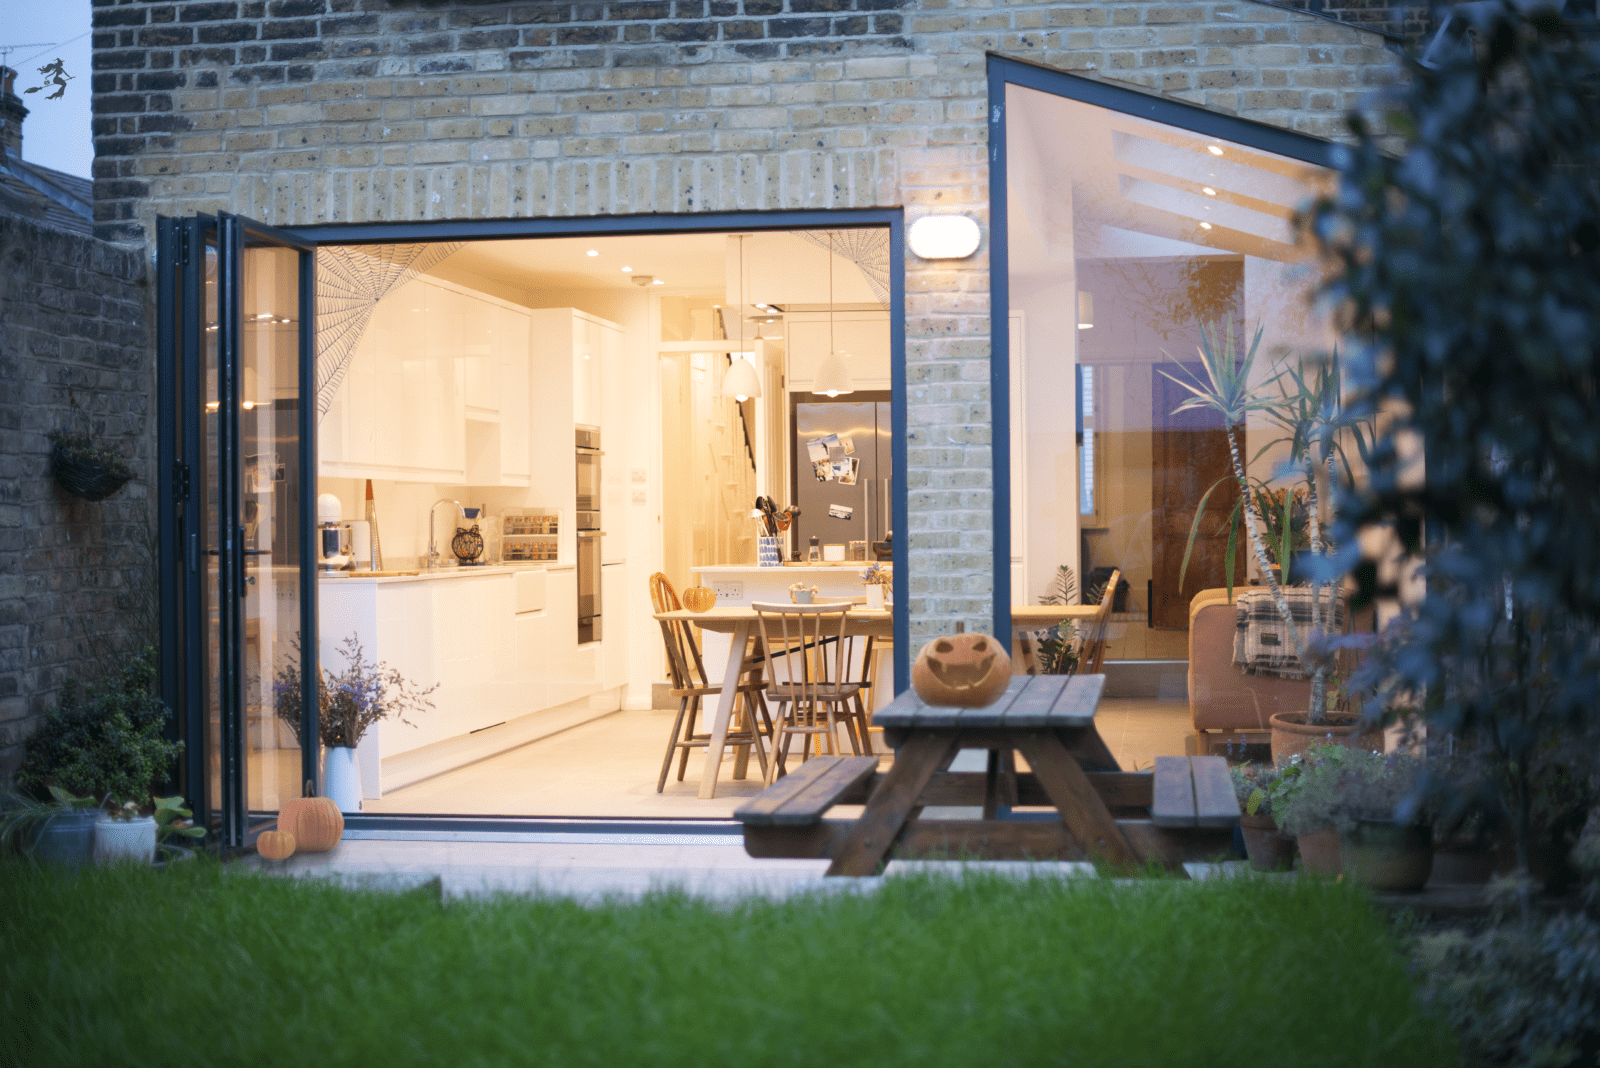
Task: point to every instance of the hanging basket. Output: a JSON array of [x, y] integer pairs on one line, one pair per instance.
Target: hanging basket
[[85, 469]]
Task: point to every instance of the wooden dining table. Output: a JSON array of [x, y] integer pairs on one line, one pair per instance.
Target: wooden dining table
[[739, 623], [1035, 617]]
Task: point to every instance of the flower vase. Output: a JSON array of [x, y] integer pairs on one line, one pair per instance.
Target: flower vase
[[874, 597], [341, 779]]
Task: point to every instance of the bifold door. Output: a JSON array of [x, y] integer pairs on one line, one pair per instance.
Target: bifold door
[[237, 530]]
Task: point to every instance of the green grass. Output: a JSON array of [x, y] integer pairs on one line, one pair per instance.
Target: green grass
[[194, 966]]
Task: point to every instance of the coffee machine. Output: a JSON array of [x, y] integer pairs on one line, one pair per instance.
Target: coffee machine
[[333, 534]]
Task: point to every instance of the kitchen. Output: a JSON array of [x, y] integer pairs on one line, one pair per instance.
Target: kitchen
[[513, 436]]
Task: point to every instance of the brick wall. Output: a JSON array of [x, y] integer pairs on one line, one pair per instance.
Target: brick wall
[[72, 328], [311, 111], [1413, 21]]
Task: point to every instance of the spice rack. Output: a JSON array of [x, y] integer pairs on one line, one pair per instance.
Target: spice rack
[[529, 535]]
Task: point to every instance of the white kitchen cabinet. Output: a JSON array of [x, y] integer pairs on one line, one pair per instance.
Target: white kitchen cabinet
[[862, 337], [613, 622], [437, 391]]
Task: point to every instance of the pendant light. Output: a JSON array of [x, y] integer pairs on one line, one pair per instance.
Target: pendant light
[[740, 381], [833, 375]]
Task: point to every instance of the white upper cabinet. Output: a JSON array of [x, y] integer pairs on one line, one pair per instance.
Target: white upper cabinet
[[861, 337], [436, 391], [587, 357]]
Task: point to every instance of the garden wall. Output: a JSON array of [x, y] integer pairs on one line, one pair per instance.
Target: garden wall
[[75, 577]]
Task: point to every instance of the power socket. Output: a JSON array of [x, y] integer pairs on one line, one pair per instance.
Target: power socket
[[728, 591]]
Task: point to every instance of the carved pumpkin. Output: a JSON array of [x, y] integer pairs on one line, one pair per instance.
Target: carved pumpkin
[[275, 845], [699, 598], [316, 823], [962, 670]]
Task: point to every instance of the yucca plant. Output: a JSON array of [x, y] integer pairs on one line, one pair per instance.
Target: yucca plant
[[1305, 403]]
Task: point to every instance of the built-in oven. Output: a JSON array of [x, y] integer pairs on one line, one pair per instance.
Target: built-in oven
[[588, 532]]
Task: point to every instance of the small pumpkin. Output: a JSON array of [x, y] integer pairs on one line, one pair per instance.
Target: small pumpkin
[[275, 845], [962, 670], [699, 598], [316, 823]]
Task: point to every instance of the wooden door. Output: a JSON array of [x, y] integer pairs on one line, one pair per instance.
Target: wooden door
[[1189, 453]]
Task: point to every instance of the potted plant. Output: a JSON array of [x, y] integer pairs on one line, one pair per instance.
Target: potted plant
[[877, 579], [105, 740], [58, 831], [124, 832], [1268, 848], [85, 468], [348, 704], [1307, 408], [1385, 837], [1058, 649], [1305, 803]]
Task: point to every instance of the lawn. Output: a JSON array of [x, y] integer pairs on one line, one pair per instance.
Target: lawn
[[193, 965]]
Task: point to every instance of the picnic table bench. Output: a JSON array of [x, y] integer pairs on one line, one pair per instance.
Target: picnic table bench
[[1185, 809]]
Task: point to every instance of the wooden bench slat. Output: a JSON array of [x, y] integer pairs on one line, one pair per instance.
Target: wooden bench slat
[[1077, 703], [1172, 799], [1215, 802], [762, 807], [823, 792]]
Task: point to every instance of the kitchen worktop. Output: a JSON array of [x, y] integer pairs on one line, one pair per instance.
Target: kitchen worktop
[[424, 575], [786, 569]]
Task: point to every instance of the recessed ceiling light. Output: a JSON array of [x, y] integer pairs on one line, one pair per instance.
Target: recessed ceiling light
[[658, 282], [592, 252], [627, 270], [1215, 150], [1208, 191], [1205, 226]]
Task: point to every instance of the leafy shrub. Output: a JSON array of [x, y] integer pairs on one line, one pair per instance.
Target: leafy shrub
[[1336, 786], [103, 738]]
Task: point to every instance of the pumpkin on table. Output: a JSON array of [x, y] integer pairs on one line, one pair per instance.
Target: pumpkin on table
[[962, 670], [275, 845], [316, 823], [699, 598]]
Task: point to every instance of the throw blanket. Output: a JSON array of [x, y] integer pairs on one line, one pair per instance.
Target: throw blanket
[[1261, 644]]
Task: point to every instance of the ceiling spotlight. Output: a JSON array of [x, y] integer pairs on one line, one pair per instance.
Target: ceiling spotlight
[[592, 252], [627, 270], [1205, 226], [1208, 191], [1215, 150], [659, 282]]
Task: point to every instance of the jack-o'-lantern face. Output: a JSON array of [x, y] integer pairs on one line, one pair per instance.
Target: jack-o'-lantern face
[[966, 670]]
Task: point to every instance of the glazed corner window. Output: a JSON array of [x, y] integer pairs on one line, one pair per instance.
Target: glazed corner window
[[1127, 238]]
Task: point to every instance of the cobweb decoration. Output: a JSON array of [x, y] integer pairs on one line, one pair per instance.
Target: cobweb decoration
[[351, 279], [868, 249]]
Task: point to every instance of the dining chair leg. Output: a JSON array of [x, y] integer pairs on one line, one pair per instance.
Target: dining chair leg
[[683, 758], [741, 722], [672, 745]]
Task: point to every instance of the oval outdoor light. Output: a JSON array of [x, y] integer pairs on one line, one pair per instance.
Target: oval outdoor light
[[943, 237]]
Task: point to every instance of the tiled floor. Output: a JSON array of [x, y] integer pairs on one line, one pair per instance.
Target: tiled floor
[[608, 767]]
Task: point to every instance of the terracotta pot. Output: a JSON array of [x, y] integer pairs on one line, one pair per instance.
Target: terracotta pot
[[1269, 850], [1387, 856], [1319, 852], [1291, 735]]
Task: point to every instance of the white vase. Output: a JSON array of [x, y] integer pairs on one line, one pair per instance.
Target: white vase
[[874, 597], [341, 779], [116, 840]]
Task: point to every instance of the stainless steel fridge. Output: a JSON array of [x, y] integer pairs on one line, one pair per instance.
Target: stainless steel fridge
[[853, 502]]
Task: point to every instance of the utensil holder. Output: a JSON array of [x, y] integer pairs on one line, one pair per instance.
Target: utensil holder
[[767, 551]]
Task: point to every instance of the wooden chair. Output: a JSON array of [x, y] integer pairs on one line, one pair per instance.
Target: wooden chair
[[808, 654], [690, 685], [1092, 654]]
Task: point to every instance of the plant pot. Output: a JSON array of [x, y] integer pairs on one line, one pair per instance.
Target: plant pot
[[1319, 852], [341, 779], [1388, 856], [86, 478], [67, 839], [122, 840], [1291, 735], [1267, 847], [874, 597]]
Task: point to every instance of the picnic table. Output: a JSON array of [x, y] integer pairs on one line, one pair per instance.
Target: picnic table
[[1185, 809]]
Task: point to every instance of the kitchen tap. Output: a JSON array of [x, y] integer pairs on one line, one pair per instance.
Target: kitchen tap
[[433, 547]]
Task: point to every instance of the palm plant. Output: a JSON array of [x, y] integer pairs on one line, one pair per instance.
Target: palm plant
[[1308, 409]]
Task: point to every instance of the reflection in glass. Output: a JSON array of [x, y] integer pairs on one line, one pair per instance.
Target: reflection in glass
[[1125, 236]]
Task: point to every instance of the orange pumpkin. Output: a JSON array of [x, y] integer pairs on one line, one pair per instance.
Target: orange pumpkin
[[963, 670], [275, 845], [699, 598], [316, 823]]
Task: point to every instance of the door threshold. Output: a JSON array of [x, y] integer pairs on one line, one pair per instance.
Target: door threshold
[[542, 829]]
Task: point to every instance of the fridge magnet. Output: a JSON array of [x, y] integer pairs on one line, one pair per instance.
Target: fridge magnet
[[823, 471], [846, 470], [841, 511], [848, 444], [816, 450]]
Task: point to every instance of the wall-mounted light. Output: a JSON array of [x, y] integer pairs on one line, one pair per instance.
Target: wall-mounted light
[[1215, 150], [1205, 226], [943, 237], [1085, 310]]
